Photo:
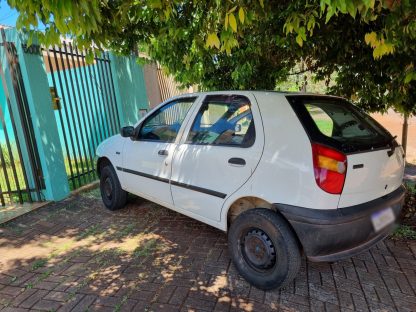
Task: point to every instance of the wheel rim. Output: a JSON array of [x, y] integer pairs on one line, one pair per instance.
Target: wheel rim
[[108, 188], [258, 250]]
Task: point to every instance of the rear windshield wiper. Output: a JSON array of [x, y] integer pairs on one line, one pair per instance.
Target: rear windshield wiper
[[391, 142]]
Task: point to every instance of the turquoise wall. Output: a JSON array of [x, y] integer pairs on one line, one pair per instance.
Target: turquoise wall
[[129, 81], [42, 116]]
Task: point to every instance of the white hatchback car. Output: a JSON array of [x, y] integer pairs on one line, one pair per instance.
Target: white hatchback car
[[280, 172]]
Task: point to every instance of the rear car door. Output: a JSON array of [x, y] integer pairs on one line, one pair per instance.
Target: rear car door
[[218, 154], [147, 159]]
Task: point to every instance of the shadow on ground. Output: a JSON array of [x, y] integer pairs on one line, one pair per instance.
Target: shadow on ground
[[77, 256]]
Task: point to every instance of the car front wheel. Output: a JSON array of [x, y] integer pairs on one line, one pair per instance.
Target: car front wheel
[[264, 249], [114, 197]]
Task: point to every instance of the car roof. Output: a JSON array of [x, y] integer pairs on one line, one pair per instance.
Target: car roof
[[255, 92]]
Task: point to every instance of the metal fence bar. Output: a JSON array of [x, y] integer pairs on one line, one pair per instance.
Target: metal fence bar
[[64, 134], [112, 91], [100, 119], [81, 116], [102, 101], [3, 165], [27, 126], [3, 161], [78, 126], [89, 107], [106, 97], [68, 113], [12, 162]]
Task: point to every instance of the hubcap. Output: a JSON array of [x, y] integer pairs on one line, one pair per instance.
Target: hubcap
[[259, 250], [108, 188]]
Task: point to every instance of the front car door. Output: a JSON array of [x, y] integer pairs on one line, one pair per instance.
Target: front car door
[[147, 159], [219, 152]]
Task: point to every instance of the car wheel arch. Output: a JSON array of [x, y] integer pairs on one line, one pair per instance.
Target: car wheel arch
[[101, 163], [251, 202]]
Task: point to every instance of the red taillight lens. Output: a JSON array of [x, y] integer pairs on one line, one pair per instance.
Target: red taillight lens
[[330, 168]]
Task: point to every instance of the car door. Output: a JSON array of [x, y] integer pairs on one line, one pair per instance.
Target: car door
[[219, 152], [147, 158]]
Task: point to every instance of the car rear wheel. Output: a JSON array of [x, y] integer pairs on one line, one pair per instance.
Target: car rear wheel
[[264, 249], [114, 197]]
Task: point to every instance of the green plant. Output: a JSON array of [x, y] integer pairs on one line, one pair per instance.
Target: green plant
[[146, 249], [404, 232], [408, 214], [91, 231], [40, 263]]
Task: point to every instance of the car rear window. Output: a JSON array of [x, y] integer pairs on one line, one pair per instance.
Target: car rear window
[[338, 123]]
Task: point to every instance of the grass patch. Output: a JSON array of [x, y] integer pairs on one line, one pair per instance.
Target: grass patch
[[404, 232], [146, 250], [91, 231], [125, 231], [92, 194], [39, 264]]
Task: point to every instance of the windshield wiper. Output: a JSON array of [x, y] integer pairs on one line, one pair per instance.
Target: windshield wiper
[[393, 146]]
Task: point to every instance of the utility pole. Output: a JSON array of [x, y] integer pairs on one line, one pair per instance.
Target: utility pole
[[404, 132]]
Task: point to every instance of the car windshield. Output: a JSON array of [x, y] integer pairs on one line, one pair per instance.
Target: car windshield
[[338, 123]]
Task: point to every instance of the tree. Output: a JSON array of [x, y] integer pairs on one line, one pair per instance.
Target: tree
[[210, 35], [370, 44]]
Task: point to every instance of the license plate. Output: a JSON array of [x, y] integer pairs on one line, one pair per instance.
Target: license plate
[[382, 218]]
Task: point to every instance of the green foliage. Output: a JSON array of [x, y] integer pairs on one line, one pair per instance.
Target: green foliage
[[40, 263], [405, 232], [241, 44]]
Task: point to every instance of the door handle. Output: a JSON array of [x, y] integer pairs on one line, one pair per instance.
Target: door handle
[[237, 161], [163, 153]]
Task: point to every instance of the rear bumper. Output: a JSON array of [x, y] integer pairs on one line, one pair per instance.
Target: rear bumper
[[331, 235]]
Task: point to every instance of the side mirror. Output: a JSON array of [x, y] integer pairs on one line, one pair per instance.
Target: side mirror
[[127, 132]]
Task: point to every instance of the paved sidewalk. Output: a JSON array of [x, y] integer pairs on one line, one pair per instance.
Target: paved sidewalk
[[76, 256], [410, 173]]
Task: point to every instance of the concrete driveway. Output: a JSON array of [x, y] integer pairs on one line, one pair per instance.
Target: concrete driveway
[[77, 256]]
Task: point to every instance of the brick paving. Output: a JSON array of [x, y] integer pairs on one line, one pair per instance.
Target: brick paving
[[76, 256]]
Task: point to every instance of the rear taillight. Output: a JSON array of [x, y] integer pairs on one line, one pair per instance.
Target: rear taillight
[[330, 168]]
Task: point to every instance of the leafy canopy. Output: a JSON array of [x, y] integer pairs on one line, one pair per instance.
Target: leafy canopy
[[370, 44]]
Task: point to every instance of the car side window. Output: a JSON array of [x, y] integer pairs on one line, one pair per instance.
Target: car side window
[[164, 124], [223, 120]]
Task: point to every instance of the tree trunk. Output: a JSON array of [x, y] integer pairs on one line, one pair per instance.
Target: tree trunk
[[404, 133]]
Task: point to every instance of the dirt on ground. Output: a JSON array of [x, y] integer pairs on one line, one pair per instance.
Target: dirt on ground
[[393, 122]]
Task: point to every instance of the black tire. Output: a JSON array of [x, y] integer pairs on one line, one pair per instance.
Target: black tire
[[264, 248], [114, 197]]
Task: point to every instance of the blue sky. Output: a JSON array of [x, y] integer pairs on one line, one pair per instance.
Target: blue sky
[[8, 16]]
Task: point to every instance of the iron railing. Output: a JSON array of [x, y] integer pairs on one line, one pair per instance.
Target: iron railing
[[85, 107], [19, 182]]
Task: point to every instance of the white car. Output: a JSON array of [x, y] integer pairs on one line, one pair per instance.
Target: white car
[[281, 173]]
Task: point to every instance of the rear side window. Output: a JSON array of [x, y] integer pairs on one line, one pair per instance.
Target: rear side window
[[338, 123], [322, 120], [224, 121]]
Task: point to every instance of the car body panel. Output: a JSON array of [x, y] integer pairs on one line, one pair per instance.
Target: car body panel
[[112, 148], [372, 175], [145, 172]]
